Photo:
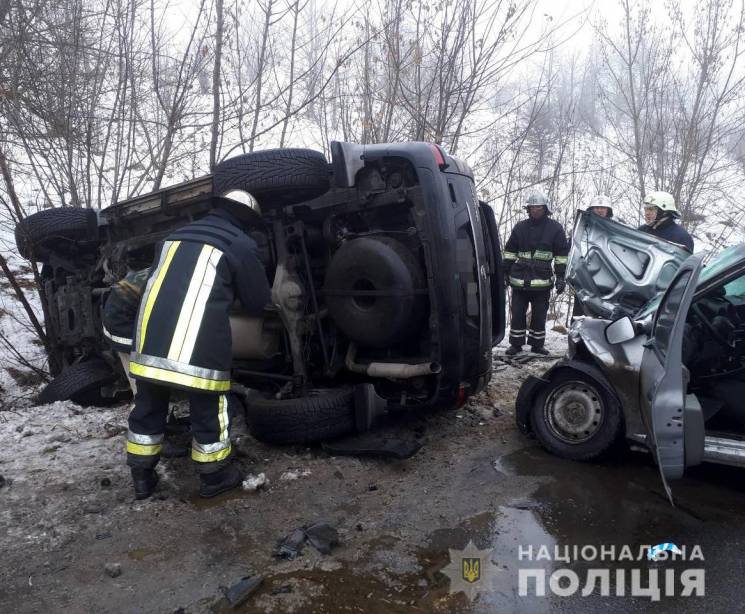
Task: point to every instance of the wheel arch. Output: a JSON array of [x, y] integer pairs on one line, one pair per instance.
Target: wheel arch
[[533, 386]]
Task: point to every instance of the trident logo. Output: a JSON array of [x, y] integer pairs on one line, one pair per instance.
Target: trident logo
[[471, 570]]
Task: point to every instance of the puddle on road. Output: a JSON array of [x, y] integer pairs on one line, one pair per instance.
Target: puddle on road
[[623, 501], [619, 502], [366, 586], [503, 533]]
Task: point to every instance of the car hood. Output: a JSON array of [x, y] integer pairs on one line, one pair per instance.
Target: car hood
[[616, 270]]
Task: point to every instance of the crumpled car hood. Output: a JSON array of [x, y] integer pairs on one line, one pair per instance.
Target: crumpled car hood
[[615, 269]]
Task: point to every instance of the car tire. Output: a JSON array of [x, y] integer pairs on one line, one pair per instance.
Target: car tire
[[67, 230], [275, 177], [575, 417], [323, 414], [80, 383]]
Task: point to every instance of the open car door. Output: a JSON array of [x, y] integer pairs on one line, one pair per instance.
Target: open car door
[[663, 381]]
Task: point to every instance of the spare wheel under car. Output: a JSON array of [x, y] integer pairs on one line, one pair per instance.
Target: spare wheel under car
[[321, 414], [274, 177], [375, 291]]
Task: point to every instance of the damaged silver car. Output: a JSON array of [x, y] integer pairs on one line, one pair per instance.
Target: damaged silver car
[[660, 361]]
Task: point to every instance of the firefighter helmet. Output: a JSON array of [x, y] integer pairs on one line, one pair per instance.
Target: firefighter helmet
[[663, 201], [538, 199], [242, 205], [601, 200]]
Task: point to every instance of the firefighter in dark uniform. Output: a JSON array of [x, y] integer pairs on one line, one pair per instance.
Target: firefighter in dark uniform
[[602, 206], [120, 314], [528, 253], [660, 214], [183, 340]]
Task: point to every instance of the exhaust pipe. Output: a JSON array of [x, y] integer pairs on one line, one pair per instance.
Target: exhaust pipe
[[393, 370]]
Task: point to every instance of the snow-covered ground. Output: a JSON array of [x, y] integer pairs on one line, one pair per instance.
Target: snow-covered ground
[[65, 486], [51, 448]]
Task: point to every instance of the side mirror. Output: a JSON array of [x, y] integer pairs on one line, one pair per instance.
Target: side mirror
[[620, 331]]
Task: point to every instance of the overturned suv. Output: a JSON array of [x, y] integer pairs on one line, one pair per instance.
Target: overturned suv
[[662, 360], [384, 270]]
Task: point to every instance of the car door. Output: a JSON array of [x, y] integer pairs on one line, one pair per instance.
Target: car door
[[662, 378]]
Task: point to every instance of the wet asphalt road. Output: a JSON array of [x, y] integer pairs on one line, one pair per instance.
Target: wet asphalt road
[[475, 479], [619, 502]]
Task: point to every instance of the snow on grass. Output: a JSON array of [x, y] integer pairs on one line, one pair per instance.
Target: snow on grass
[[19, 345], [52, 456]]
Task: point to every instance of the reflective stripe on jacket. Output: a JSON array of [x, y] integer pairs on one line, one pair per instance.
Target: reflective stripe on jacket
[[528, 253], [183, 337]]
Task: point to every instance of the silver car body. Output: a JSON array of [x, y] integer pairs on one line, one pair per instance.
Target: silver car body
[[618, 272]]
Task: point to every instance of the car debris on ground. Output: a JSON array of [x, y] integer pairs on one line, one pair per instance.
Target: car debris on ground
[[113, 570], [242, 590], [321, 535], [372, 444]]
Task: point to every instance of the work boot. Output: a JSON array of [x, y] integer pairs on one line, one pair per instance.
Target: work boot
[[222, 480], [144, 481], [539, 349], [512, 350]]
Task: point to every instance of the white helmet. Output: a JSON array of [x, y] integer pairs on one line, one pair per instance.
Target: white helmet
[[663, 201], [601, 200], [243, 197], [538, 199], [242, 205]]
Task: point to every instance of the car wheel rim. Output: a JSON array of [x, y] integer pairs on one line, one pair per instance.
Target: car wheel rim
[[573, 412]]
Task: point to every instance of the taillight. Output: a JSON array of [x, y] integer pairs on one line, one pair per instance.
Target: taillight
[[439, 156]]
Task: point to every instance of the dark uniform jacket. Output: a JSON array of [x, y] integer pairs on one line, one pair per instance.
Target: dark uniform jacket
[[120, 310], [667, 229], [529, 251], [183, 328]]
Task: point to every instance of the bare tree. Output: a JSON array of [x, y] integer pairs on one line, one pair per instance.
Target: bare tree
[[672, 98], [171, 85], [216, 79]]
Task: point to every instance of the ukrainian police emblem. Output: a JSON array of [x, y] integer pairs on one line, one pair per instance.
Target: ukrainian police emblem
[[470, 570]]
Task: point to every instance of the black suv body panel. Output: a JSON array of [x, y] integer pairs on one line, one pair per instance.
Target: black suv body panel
[[417, 202]]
